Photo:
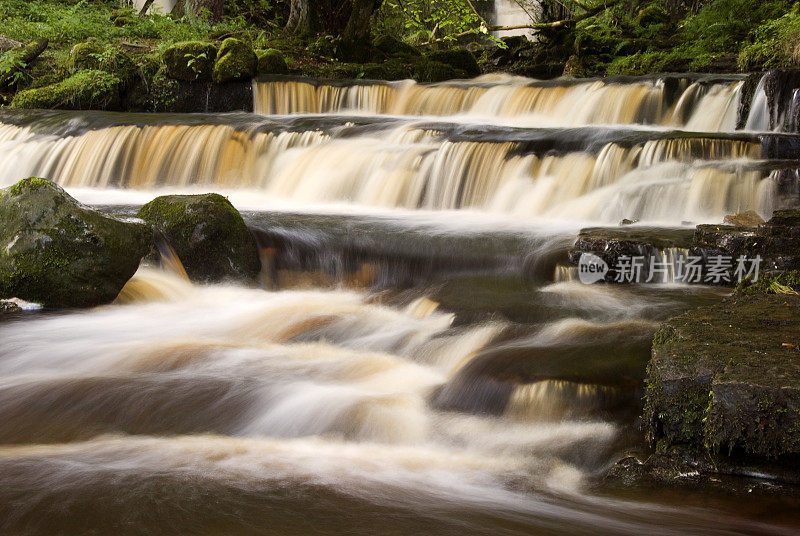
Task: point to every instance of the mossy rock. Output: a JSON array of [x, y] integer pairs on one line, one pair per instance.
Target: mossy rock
[[271, 61], [392, 69], [459, 59], [724, 378], [207, 233], [391, 46], [85, 90], [84, 56], [189, 60], [235, 61], [56, 252], [436, 71], [94, 56]]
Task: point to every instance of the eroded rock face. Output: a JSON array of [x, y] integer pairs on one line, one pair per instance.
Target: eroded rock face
[[56, 252], [207, 233], [725, 378]]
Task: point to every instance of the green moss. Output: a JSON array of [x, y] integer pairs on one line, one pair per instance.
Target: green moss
[[435, 71], [85, 90], [271, 61], [783, 283], [56, 252], [189, 60], [776, 44], [207, 233], [235, 61], [458, 58], [391, 46], [83, 56]]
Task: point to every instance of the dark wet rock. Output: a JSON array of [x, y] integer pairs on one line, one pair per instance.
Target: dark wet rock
[[8, 308], [271, 61], [56, 252], [723, 378], [459, 59], [750, 218], [236, 61], [189, 60], [207, 233], [777, 241], [436, 71], [626, 221], [690, 469], [612, 243], [779, 87], [390, 46]]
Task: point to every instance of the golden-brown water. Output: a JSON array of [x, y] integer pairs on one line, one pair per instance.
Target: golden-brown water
[[415, 358]]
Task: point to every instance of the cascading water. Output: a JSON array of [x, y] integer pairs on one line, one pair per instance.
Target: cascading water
[[419, 356]]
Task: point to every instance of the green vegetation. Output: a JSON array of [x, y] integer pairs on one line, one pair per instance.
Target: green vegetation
[[87, 89], [151, 56]]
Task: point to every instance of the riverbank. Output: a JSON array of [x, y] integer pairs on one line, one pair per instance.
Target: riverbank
[[93, 55]]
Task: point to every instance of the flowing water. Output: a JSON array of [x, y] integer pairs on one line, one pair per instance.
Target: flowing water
[[412, 362]]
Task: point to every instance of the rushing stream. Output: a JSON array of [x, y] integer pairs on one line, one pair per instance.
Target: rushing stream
[[416, 362]]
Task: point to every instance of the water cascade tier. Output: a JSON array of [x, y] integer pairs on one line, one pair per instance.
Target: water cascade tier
[[414, 358]]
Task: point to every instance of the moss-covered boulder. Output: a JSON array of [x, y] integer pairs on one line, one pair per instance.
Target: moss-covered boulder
[[392, 69], [92, 55], [56, 252], [271, 61], [390, 46], [458, 58], [235, 61], [435, 71], [189, 60], [84, 55], [85, 90], [207, 233], [724, 378]]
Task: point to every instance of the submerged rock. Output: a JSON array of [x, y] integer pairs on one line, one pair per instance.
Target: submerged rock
[[207, 233], [56, 252], [235, 61], [724, 378]]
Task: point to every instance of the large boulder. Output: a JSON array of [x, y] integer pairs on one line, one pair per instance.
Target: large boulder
[[207, 233], [460, 59], [271, 61], [59, 253], [189, 60], [235, 61]]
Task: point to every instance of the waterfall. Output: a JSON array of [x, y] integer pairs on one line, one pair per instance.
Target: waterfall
[[700, 107], [515, 13]]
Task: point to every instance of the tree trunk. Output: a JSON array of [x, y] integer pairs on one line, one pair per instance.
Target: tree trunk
[[300, 17], [215, 8]]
